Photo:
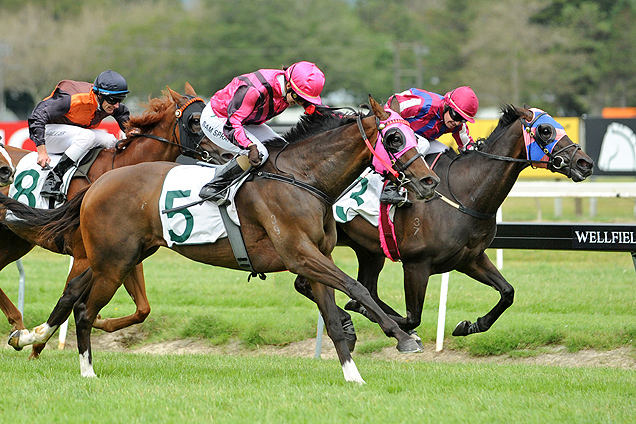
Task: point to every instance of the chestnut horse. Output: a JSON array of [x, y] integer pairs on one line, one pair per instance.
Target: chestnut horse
[[167, 128], [316, 161], [453, 231], [7, 167]]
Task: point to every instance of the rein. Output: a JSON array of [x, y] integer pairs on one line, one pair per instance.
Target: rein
[[289, 180], [328, 199], [552, 157]]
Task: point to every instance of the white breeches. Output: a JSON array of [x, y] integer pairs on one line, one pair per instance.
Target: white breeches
[[426, 146], [75, 141], [212, 126]]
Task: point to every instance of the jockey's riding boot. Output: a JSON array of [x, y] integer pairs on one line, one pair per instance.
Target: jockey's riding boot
[[395, 196], [53, 183], [225, 175]]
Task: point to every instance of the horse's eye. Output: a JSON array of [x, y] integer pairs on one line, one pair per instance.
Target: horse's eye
[[394, 140], [194, 123], [546, 133]]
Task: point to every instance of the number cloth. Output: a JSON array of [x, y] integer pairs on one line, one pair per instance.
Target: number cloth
[[196, 224], [29, 179]]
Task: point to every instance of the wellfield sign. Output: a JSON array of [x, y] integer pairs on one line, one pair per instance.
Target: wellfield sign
[[604, 238]]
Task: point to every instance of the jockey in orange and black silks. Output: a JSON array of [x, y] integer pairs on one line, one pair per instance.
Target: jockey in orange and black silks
[[235, 117], [65, 122], [72, 103]]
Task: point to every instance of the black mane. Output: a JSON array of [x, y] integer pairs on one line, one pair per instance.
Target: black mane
[[510, 116], [311, 125]]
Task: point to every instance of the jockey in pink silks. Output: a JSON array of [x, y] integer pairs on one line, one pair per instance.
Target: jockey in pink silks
[[430, 116], [235, 117]]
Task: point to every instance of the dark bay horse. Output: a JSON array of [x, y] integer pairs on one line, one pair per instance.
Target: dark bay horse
[[438, 236], [167, 128], [324, 152]]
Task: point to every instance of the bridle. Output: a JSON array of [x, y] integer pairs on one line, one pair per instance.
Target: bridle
[[188, 141], [387, 129], [544, 136]]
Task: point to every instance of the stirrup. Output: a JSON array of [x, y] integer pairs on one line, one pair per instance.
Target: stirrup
[[53, 187], [219, 196]]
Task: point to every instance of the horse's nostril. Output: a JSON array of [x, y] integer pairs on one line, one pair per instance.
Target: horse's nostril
[[430, 181]]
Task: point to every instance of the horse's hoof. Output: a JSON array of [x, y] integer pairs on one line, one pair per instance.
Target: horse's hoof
[[465, 328], [14, 340], [461, 329], [352, 305], [416, 337], [408, 346]]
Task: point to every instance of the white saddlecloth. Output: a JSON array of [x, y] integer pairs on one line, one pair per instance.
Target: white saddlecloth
[[29, 179], [363, 199], [196, 224]]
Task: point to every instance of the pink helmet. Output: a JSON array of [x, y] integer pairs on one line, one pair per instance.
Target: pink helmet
[[306, 80], [464, 101]]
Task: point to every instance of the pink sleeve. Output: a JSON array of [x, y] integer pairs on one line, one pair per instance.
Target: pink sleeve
[[242, 112]]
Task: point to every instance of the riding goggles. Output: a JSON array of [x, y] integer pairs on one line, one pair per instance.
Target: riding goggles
[[113, 100], [455, 116]]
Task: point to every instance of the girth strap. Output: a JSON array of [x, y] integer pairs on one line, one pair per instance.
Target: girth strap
[[235, 236]]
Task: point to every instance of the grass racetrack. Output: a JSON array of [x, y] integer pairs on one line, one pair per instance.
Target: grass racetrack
[[566, 303]]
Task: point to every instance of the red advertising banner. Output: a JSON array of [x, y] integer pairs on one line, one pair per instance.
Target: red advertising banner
[[16, 133]]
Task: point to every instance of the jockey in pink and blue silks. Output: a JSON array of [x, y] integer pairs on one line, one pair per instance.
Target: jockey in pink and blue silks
[[235, 117], [431, 115]]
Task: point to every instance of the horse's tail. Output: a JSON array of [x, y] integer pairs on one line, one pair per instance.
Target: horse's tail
[[53, 228]]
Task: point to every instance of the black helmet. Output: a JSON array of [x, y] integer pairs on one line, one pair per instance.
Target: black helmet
[[111, 84]]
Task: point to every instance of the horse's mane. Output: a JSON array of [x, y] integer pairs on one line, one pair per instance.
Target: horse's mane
[[311, 125], [510, 116], [155, 112]]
